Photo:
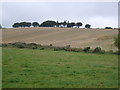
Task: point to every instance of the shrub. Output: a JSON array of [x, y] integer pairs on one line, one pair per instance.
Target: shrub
[[4, 45], [34, 47], [74, 49], [117, 41], [86, 49], [98, 50], [67, 47], [42, 48], [18, 45], [56, 49], [51, 45]]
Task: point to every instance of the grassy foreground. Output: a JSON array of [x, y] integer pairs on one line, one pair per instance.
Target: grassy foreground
[[28, 68]]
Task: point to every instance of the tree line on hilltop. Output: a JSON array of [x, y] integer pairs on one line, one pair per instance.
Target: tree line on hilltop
[[50, 23]]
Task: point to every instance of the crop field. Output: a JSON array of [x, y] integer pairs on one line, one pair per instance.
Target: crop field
[[28, 68], [75, 37]]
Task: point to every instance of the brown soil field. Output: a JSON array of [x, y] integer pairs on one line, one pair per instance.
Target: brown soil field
[[76, 37]]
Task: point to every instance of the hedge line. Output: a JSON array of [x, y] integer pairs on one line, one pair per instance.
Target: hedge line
[[55, 48]]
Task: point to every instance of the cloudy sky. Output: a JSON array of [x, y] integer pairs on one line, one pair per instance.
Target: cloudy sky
[[98, 14]]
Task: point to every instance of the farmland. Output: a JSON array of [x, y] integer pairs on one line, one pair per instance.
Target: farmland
[[47, 68], [28, 68], [75, 37]]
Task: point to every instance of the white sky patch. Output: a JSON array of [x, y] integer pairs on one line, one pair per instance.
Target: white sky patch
[[103, 21], [98, 14], [59, 0]]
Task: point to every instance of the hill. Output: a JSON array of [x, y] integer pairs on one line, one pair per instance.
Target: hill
[[75, 37]]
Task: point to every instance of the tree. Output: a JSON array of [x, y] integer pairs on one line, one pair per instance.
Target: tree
[[64, 23], [108, 27], [72, 24], [28, 24], [87, 26], [78, 24], [25, 24], [68, 24], [22, 24], [48, 23], [16, 25], [57, 24], [61, 24], [35, 24]]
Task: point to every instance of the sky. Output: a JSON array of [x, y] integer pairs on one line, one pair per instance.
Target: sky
[[97, 14]]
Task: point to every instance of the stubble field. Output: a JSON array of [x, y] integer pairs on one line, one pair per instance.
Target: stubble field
[[62, 36]]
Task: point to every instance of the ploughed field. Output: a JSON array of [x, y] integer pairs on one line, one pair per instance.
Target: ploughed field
[[75, 37]]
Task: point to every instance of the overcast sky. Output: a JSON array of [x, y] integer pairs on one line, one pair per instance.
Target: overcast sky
[[98, 14]]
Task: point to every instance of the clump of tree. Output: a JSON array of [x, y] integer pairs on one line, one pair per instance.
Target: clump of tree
[[79, 24], [16, 25], [22, 24], [50, 23], [87, 26], [35, 24], [108, 27]]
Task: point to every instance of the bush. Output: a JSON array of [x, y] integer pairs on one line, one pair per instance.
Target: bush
[[86, 49], [117, 41], [66, 47], [117, 52], [58, 48], [4, 45], [34, 47], [51, 45], [18, 45], [42, 48], [74, 49], [98, 50]]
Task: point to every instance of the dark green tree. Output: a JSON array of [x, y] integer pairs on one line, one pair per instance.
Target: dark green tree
[[28, 24], [68, 24], [16, 25], [108, 27], [48, 23], [35, 24], [23, 24], [72, 24], [87, 26], [64, 23], [78, 24], [57, 24]]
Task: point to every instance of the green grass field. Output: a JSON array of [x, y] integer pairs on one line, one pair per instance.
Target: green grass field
[[28, 68]]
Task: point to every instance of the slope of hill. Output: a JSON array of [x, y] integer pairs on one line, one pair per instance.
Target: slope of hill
[[62, 36]]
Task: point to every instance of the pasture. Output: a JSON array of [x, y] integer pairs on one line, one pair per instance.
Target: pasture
[[28, 68]]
